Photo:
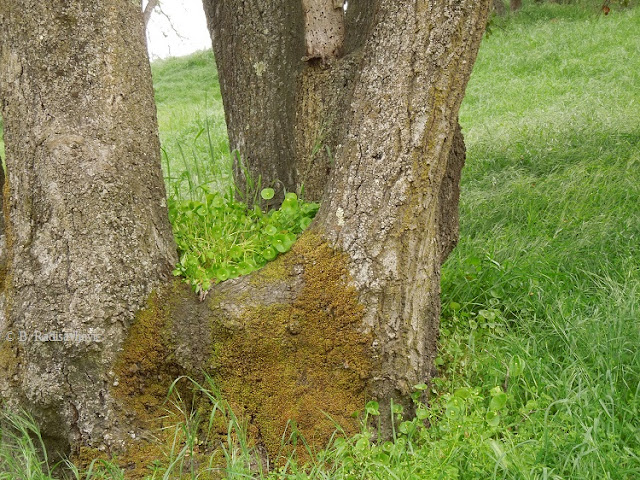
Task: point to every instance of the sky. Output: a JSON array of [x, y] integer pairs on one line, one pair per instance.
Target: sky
[[188, 34]]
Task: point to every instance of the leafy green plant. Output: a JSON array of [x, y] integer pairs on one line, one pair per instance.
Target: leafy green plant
[[220, 238]]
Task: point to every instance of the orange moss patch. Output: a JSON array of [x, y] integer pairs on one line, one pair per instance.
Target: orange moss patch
[[298, 361], [84, 455], [144, 372], [135, 461]]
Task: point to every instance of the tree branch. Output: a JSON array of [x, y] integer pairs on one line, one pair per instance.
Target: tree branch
[[148, 10]]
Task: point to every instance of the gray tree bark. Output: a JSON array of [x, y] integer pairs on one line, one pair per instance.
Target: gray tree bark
[[390, 203], [393, 171], [259, 54], [287, 73], [87, 233]]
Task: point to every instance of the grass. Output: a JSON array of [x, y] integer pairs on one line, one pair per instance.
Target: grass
[[539, 359], [550, 230], [1, 140], [191, 122]]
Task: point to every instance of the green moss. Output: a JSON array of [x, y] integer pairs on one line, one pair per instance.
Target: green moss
[[274, 270], [144, 370], [84, 455], [296, 360], [135, 461]]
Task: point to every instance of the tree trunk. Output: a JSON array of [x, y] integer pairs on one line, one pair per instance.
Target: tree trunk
[[259, 54], [87, 233], [390, 206], [383, 205], [350, 313], [286, 74]]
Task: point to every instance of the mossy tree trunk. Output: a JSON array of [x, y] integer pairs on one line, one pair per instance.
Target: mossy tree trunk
[[87, 232], [390, 201], [351, 313]]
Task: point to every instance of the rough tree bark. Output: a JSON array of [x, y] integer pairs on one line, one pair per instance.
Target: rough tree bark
[[351, 313], [294, 62], [258, 53], [266, 71], [87, 232], [383, 205]]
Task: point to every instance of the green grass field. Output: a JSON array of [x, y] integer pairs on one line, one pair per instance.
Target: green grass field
[[540, 334], [191, 121], [550, 238]]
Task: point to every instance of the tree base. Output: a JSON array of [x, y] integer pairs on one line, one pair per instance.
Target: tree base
[[282, 345]]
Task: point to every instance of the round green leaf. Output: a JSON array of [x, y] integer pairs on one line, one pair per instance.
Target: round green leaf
[[236, 252], [422, 413], [372, 408], [267, 193], [305, 222], [222, 274], [269, 253], [463, 393], [498, 401], [493, 419], [454, 306], [290, 204], [405, 427], [282, 243], [270, 230], [245, 267]]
